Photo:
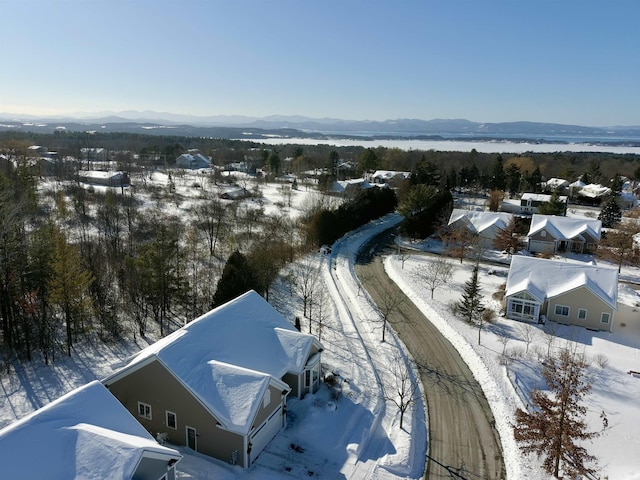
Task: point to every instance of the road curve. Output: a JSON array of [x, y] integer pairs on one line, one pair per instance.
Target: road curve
[[463, 442]]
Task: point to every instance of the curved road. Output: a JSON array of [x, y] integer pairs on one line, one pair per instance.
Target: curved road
[[463, 443]]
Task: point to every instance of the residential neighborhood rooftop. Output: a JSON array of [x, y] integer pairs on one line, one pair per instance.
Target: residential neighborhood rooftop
[[237, 348], [86, 433], [543, 277]]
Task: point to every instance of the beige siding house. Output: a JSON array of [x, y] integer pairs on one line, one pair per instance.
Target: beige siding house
[[219, 384], [564, 292]]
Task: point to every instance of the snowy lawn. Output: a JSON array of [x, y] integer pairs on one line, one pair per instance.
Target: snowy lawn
[[508, 372]]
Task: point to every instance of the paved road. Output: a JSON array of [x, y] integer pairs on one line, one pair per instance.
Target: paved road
[[463, 443]]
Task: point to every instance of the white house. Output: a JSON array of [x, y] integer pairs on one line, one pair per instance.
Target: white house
[[389, 177], [529, 202], [486, 225], [565, 292], [84, 434]]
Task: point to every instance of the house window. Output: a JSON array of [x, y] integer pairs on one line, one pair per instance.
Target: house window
[[582, 313], [266, 400], [562, 310], [543, 233], [605, 317], [144, 410], [172, 421]]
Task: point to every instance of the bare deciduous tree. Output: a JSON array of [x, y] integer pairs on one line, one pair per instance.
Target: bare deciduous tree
[[436, 274], [528, 334], [401, 385], [305, 276], [389, 302]]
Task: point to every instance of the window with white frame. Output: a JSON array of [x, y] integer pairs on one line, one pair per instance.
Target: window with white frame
[[172, 420], [266, 400], [144, 410], [582, 313], [562, 310], [605, 317]]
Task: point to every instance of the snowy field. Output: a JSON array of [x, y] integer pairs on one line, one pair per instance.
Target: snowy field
[[355, 434]]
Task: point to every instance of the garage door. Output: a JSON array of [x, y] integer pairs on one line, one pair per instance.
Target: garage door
[[263, 435], [538, 246]]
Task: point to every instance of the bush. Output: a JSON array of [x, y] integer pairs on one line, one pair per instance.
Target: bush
[[488, 315], [602, 360]]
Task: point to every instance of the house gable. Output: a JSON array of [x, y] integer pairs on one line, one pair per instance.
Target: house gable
[[153, 385]]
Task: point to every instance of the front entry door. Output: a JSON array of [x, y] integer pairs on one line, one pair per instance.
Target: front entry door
[[192, 436]]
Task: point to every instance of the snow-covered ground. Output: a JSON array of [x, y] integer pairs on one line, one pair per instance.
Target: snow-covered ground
[[351, 432]]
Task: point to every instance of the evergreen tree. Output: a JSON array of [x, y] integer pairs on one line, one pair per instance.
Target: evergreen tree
[[554, 206], [610, 215], [332, 165], [368, 161], [426, 172], [498, 179], [556, 424], [513, 178], [536, 180], [274, 162], [237, 278], [69, 285], [471, 306]]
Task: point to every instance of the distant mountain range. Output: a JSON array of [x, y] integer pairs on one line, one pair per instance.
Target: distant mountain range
[[232, 126]]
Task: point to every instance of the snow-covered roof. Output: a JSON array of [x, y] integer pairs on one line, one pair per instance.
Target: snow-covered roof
[[577, 184], [192, 159], [480, 221], [234, 349], [99, 174], [556, 183], [549, 278], [594, 190], [541, 197], [86, 433], [565, 227], [340, 186], [387, 175]]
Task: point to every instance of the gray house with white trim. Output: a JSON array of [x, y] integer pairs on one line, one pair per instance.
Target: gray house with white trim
[[553, 234]]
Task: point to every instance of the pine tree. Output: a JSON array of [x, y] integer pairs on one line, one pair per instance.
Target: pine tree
[[471, 306], [554, 206], [610, 214], [237, 278], [69, 285], [556, 422]]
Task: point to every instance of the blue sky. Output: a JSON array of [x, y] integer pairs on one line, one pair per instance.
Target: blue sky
[[489, 61]]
